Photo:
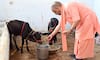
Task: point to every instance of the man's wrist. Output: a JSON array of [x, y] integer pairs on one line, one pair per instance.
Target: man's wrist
[[51, 35]]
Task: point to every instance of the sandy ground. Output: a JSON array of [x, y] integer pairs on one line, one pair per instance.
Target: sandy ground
[[59, 55]]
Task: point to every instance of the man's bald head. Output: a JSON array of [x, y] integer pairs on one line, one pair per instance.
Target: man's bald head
[[57, 3], [56, 7]]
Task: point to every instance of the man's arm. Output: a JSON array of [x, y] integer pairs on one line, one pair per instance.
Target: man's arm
[[74, 24]]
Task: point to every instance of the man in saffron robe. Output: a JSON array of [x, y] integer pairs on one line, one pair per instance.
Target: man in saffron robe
[[84, 20]]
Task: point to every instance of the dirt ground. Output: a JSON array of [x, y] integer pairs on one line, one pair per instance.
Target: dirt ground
[[59, 55]]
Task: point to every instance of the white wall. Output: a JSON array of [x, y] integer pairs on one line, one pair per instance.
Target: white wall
[[36, 12], [97, 8], [2, 9]]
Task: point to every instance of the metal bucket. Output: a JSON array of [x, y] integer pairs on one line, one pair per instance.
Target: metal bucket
[[42, 52]]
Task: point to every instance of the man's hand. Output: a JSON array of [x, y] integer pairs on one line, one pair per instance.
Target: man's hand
[[50, 37]]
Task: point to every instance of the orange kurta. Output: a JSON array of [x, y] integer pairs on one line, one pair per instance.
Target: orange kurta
[[85, 30]]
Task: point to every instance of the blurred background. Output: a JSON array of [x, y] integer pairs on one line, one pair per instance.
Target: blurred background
[[37, 12]]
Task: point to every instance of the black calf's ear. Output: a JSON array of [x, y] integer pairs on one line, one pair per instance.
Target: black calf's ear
[[40, 33]]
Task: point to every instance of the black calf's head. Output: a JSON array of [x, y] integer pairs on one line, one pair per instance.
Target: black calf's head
[[54, 22], [35, 37]]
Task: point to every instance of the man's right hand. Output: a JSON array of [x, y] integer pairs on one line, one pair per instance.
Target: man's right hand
[[50, 37]]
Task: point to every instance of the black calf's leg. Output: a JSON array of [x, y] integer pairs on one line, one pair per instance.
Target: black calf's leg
[[22, 45], [14, 38], [11, 45], [55, 39], [27, 45]]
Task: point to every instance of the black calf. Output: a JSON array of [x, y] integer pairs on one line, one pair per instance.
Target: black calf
[[51, 26], [17, 27]]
